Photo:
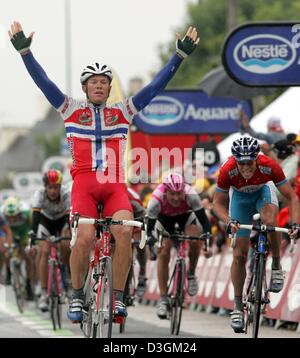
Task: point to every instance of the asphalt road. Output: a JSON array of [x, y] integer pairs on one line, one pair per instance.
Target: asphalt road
[[141, 323]]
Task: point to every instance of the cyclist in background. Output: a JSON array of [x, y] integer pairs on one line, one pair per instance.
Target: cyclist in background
[[246, 185], [141, 255], [97, 136], [175, 202], [50, 216], [6, 236], [18, 216]]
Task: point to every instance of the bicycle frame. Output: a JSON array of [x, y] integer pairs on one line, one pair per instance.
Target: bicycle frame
[[257, 291], [177, 285], [54, 281], [53, 266], [97, 313]]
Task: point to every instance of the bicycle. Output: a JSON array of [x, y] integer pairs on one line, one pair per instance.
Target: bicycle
[[177, 285], [256, 294], [99, 304], [17, 277], [56, 284], [130, 290]]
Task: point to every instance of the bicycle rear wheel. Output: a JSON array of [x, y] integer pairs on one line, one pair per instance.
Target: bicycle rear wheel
[[103, 317], [260, 273], [177, 297]]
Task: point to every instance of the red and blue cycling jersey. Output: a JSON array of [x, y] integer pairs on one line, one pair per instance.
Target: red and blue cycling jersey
[[267, 170], [97, 135]]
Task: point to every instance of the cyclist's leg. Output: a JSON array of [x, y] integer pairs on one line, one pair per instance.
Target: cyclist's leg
[[122, 258], [85, 204], [65, 251], [29, 259], [193, 228], [141, 256], [117, 205], [241, 209], [44, 229], [267, 205], [164, 224]]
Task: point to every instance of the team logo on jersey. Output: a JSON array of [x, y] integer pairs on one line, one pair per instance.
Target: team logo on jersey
[[85, 119], [233, 173], [265, 170], [110, 119]]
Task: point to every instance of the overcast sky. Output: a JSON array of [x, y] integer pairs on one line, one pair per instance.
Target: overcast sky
[[122, 33]]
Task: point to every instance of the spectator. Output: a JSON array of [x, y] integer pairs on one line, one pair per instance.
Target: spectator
[[274, 133]]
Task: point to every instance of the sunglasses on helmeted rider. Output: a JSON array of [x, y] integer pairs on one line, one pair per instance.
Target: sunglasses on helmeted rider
[[246, 162]]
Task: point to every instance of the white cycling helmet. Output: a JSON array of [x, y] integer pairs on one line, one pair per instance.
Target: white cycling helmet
[[95, 69]]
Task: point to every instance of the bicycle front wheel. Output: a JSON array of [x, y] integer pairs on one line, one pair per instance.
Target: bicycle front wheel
[[18, 285], [54, 304], [259, 279], [86, 324], [129, 295], [103, 319], [177, 297]]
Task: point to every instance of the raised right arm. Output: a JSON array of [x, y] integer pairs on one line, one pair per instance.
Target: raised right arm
[[49, 88], [22, 44]]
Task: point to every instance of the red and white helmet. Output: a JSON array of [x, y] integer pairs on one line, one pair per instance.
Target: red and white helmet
[[174, 182]]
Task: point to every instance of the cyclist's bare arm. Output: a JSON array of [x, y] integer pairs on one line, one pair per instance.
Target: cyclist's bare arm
[[8, 234], [220, 206], [22, 45], [294, 207], [194, 202], [160, 81]]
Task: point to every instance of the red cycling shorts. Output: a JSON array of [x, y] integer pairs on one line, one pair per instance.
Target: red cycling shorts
[[87, 193]]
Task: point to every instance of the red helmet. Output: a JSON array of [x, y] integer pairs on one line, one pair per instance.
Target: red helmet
[[52, 176], [174, 182]]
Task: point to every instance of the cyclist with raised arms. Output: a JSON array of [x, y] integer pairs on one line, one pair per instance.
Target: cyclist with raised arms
[[246, 186], [50, 216], [97, 136], [175, 202]]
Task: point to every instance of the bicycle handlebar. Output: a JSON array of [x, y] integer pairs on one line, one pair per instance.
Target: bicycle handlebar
[[109, 221], [52, 239], [265, 228]]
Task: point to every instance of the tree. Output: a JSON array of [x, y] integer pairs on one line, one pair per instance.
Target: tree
[[209, 16]]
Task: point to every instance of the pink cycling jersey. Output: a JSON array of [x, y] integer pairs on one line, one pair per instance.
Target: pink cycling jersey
[[158, 203]]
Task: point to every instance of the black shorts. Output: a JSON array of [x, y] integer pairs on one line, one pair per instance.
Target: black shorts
[[169, 222], [52, 227]]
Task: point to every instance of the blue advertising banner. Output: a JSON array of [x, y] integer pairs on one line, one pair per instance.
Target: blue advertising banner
[[264, 54], [193, 112]]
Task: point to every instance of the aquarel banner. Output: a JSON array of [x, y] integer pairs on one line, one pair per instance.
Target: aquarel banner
[[264, 54], [188, 111]]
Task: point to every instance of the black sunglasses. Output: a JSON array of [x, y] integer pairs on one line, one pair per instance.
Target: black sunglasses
[[246, 162]]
